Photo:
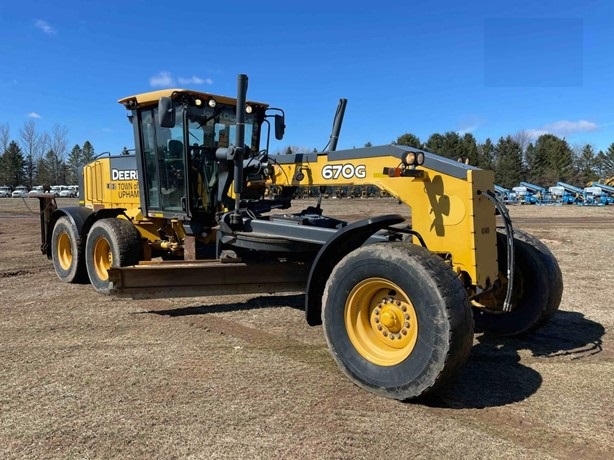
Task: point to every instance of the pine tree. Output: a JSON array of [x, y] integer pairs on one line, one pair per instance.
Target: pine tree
[[608, 161], [552, 161], [486, 155], [88, 152], [508, 162], [409, 140], [53, 168], [600, 164], [470, 149], [586, 165], [562, 161], [12, 171], [29, 169], [75, 161], [435, 143], [43, 173]]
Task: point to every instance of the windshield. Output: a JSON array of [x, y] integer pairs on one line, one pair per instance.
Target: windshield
[[216, 127]]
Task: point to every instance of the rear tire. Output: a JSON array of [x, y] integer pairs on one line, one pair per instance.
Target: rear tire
[[537, 293], [554, 275], [67, 253], [426, 329], [110, 243]]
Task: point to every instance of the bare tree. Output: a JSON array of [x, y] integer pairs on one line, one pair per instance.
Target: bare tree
[[59, 141], [30, 139], [31, 147], [5, 137], [523, 139], [45, 143]]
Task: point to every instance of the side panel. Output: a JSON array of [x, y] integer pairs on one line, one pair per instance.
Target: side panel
[[448, 208], [111, 182]]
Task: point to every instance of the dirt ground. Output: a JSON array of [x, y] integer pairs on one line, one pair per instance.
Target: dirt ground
[[88, 376]]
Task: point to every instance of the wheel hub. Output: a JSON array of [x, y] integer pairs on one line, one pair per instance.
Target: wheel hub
[[103, 258], [381, 321], [64, 251], [391, 323]]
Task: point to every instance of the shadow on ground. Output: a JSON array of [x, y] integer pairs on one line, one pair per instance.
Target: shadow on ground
[[296, 301], [494, 374]]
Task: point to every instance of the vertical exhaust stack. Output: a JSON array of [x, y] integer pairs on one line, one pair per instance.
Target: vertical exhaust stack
[[334, 137], [235, 218], [332, 145]]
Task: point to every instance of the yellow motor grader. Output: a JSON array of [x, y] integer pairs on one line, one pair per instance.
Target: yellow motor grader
[[398, 296]]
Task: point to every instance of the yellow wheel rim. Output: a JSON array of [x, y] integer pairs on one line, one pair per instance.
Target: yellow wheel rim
[[103, 258], [381, 322], [64, 251]]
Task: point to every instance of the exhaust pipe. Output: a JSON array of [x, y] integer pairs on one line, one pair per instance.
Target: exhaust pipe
[[235, 218], [334, 137]]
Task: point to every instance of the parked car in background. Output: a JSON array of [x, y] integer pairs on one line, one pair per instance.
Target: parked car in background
[[5, 191], [67, 193], [20, 192], [36, 190]]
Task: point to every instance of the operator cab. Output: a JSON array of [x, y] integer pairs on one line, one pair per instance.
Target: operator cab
[[178, 133]]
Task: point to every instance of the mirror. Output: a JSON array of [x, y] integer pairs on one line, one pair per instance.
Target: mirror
[[280, 127], [166, 112]]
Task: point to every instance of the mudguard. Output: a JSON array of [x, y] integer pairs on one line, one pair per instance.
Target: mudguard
[[350, 237]]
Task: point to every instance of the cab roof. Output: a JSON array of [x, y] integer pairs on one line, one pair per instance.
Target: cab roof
[[152, 97]]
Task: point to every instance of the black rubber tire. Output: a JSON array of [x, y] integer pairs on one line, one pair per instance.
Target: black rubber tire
[[124, 247], [554, 275], [531, 290], [67, 253], [444, 319]]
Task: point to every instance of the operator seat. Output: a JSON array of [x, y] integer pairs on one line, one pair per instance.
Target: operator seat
[[175, 149]]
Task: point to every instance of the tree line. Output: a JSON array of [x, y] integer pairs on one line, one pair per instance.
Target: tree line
[[41, 158], [515, 158]]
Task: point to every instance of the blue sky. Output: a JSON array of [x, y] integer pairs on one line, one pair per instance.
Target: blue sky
[[491, 68]]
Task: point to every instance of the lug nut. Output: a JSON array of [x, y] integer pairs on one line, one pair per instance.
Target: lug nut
[[376, 311], [406, 316], [379, 327], [385, 333], [406, 324], [404, 308], [404, 331], [377, 320]]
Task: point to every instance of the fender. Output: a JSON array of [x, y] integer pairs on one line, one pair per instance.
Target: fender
[[83, 218], [345, 241]]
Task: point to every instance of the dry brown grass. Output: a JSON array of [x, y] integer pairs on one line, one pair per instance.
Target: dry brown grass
[[87, 376]]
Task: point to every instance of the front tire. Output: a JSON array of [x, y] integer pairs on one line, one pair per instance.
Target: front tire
[[397, 320], [66, 252], [110, 243]]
